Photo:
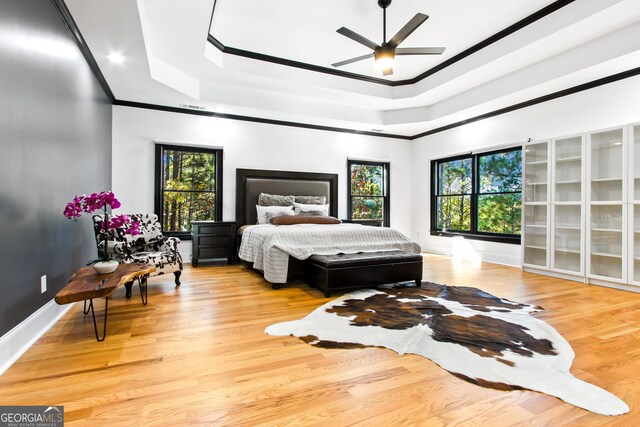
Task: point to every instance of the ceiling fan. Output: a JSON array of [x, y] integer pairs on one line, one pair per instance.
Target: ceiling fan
[[385, 53]]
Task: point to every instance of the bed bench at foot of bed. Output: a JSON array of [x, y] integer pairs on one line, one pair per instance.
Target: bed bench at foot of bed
[[362, 270]]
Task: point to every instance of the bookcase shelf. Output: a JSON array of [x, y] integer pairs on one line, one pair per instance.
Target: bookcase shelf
[[569, 159], [568, 251], [606, 254], [568, 227]]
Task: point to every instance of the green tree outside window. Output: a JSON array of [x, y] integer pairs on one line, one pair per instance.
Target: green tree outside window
[[367, 191], [479, 194], [454, 201], [189, 186], [499, 198]]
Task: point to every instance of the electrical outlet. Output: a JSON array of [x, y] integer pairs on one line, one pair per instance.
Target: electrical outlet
[[43, 284]]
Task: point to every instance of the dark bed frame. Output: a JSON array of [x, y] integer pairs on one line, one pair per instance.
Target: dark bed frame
[[251, 182], [336, 272]]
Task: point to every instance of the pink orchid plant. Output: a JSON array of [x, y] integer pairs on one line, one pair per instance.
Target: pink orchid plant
[[101, 201]]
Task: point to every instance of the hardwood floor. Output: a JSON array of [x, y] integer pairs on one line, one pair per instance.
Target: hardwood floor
[[198, 355]]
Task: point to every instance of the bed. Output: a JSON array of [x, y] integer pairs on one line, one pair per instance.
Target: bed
[[273, 250]]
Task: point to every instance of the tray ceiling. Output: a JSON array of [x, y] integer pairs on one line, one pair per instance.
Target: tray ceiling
[[171, 61]]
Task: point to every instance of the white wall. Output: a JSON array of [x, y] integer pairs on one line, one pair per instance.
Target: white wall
[[606, 106], [253, 146]]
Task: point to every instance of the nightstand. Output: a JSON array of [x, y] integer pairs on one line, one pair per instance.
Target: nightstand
[[213, 239]]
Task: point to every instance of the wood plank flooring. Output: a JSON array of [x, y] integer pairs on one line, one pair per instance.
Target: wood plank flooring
[[198, 355]]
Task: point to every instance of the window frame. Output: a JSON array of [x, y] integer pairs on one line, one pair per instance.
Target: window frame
[[473, 234], [159, 180], [386, 190]]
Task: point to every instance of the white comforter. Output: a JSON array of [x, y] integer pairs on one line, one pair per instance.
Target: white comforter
[[268, 246]]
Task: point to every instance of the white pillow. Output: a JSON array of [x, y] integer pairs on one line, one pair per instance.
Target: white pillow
[[299, 208], [262, 212]]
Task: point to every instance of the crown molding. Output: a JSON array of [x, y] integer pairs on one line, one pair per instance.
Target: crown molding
[[68, 20], [256, 119], [554, 95]]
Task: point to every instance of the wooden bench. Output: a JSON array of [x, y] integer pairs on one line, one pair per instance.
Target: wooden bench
[[362, 270], [87, 285]]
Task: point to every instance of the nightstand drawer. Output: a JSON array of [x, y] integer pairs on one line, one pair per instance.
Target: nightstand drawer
[[211, 230], [213, 239], [214, 253]]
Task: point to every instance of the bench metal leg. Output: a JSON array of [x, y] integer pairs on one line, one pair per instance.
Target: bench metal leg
[[93, 315], [142, 284]]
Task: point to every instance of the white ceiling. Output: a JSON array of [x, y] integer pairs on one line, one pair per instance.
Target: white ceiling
[[169, 61]]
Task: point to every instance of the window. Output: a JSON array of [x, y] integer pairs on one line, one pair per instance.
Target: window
[[188, 187], [368, 192], [478, 195]]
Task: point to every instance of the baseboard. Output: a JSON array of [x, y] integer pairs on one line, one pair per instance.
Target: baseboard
[[508, 261], [18, 340], [556, 274], [484, 255], [620, 286]]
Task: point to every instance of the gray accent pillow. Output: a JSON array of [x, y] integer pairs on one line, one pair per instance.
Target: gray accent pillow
[[275, 200], [313, 213], [299, 207], [311, 200]]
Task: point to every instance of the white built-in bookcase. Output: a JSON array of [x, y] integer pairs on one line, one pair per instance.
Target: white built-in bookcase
[[568, 235], [581, 214], [535, 237], [606, 213]]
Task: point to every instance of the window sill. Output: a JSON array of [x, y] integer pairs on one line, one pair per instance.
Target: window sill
[[482, 237], [182, 235], [370, 222]]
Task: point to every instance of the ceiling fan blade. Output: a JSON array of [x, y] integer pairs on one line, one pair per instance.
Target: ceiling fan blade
[[357, 37], [387, 71], [352, 60], [420, 50], [408, 28]]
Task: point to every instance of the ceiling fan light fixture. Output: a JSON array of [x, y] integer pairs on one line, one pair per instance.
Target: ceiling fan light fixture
[[384, 58], [385, 53]]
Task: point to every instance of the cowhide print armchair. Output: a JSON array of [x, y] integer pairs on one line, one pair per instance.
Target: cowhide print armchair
[[149, 246]]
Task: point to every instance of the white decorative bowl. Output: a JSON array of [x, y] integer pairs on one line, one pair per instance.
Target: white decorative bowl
[[106, 267]]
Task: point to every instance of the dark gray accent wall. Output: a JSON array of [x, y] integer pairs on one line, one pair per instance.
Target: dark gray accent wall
[[55, 142]]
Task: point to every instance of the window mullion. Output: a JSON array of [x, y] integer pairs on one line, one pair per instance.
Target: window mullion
[[474, 194]]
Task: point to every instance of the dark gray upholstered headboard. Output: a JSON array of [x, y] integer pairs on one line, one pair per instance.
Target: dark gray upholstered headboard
[[251, 182]]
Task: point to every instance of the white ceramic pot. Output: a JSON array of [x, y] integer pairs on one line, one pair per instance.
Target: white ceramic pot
[[106, 267]]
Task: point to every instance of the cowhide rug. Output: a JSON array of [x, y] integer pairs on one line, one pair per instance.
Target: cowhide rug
[[483, 339]]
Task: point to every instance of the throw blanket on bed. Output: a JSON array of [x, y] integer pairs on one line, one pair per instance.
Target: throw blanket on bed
[[268, 246]]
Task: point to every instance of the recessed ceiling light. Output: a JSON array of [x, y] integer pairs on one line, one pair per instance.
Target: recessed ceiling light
[[116, 57]]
